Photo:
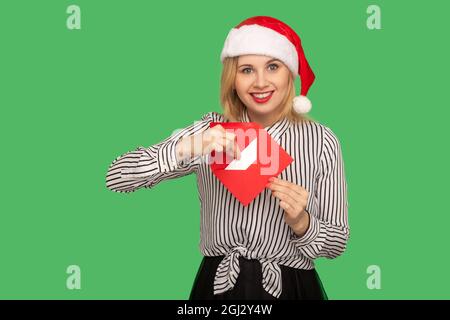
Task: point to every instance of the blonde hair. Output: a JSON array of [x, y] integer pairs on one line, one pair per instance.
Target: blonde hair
[[232, 105]]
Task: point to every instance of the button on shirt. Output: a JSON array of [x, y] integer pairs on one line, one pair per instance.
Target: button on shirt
[[258, 230]]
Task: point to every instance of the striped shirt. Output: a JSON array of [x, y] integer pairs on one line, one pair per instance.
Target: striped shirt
[[258, 230]]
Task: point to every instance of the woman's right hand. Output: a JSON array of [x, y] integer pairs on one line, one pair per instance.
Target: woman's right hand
[[213, 139], [219, 140]]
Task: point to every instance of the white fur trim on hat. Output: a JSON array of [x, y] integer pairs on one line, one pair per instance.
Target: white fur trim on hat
[[302, 104], [255, 39]]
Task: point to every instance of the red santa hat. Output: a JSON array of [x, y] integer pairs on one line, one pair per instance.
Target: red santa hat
[[271, 37]]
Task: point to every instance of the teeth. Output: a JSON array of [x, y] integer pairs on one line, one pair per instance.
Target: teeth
[[262, 95]]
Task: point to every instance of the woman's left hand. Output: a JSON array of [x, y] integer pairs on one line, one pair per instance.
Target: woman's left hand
[[293, 199]]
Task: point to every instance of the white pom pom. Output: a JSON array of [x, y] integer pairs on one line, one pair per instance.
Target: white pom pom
[[302, 104]]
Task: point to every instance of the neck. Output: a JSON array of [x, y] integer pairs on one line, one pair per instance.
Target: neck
[[263, 120]]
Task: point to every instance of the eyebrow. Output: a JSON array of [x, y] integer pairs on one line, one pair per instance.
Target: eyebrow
[[266, 63]]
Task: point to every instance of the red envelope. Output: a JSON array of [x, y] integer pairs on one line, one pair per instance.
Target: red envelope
[[261, 158]]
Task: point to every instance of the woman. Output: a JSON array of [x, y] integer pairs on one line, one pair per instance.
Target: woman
[[265, 250]]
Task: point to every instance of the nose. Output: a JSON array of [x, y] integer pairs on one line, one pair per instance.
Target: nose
[[261, 80]]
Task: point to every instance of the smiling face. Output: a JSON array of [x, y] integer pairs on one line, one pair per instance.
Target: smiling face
[[262, 83]]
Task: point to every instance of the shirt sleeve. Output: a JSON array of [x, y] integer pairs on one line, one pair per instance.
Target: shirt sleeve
[[146, 167], [328, 230]]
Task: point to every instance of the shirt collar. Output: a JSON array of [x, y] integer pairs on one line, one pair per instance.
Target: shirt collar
[[275, 130]]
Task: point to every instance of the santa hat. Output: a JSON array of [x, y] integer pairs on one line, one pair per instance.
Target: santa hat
[[271, 37]]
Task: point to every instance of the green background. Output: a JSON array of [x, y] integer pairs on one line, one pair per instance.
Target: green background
[[73, 100]]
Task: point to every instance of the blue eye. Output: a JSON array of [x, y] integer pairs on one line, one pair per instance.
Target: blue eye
[[273, 64]]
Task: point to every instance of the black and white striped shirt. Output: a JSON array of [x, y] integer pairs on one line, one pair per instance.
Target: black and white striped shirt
[[258, 230]]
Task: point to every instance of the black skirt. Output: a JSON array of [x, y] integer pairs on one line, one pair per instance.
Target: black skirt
[[297, 284]]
